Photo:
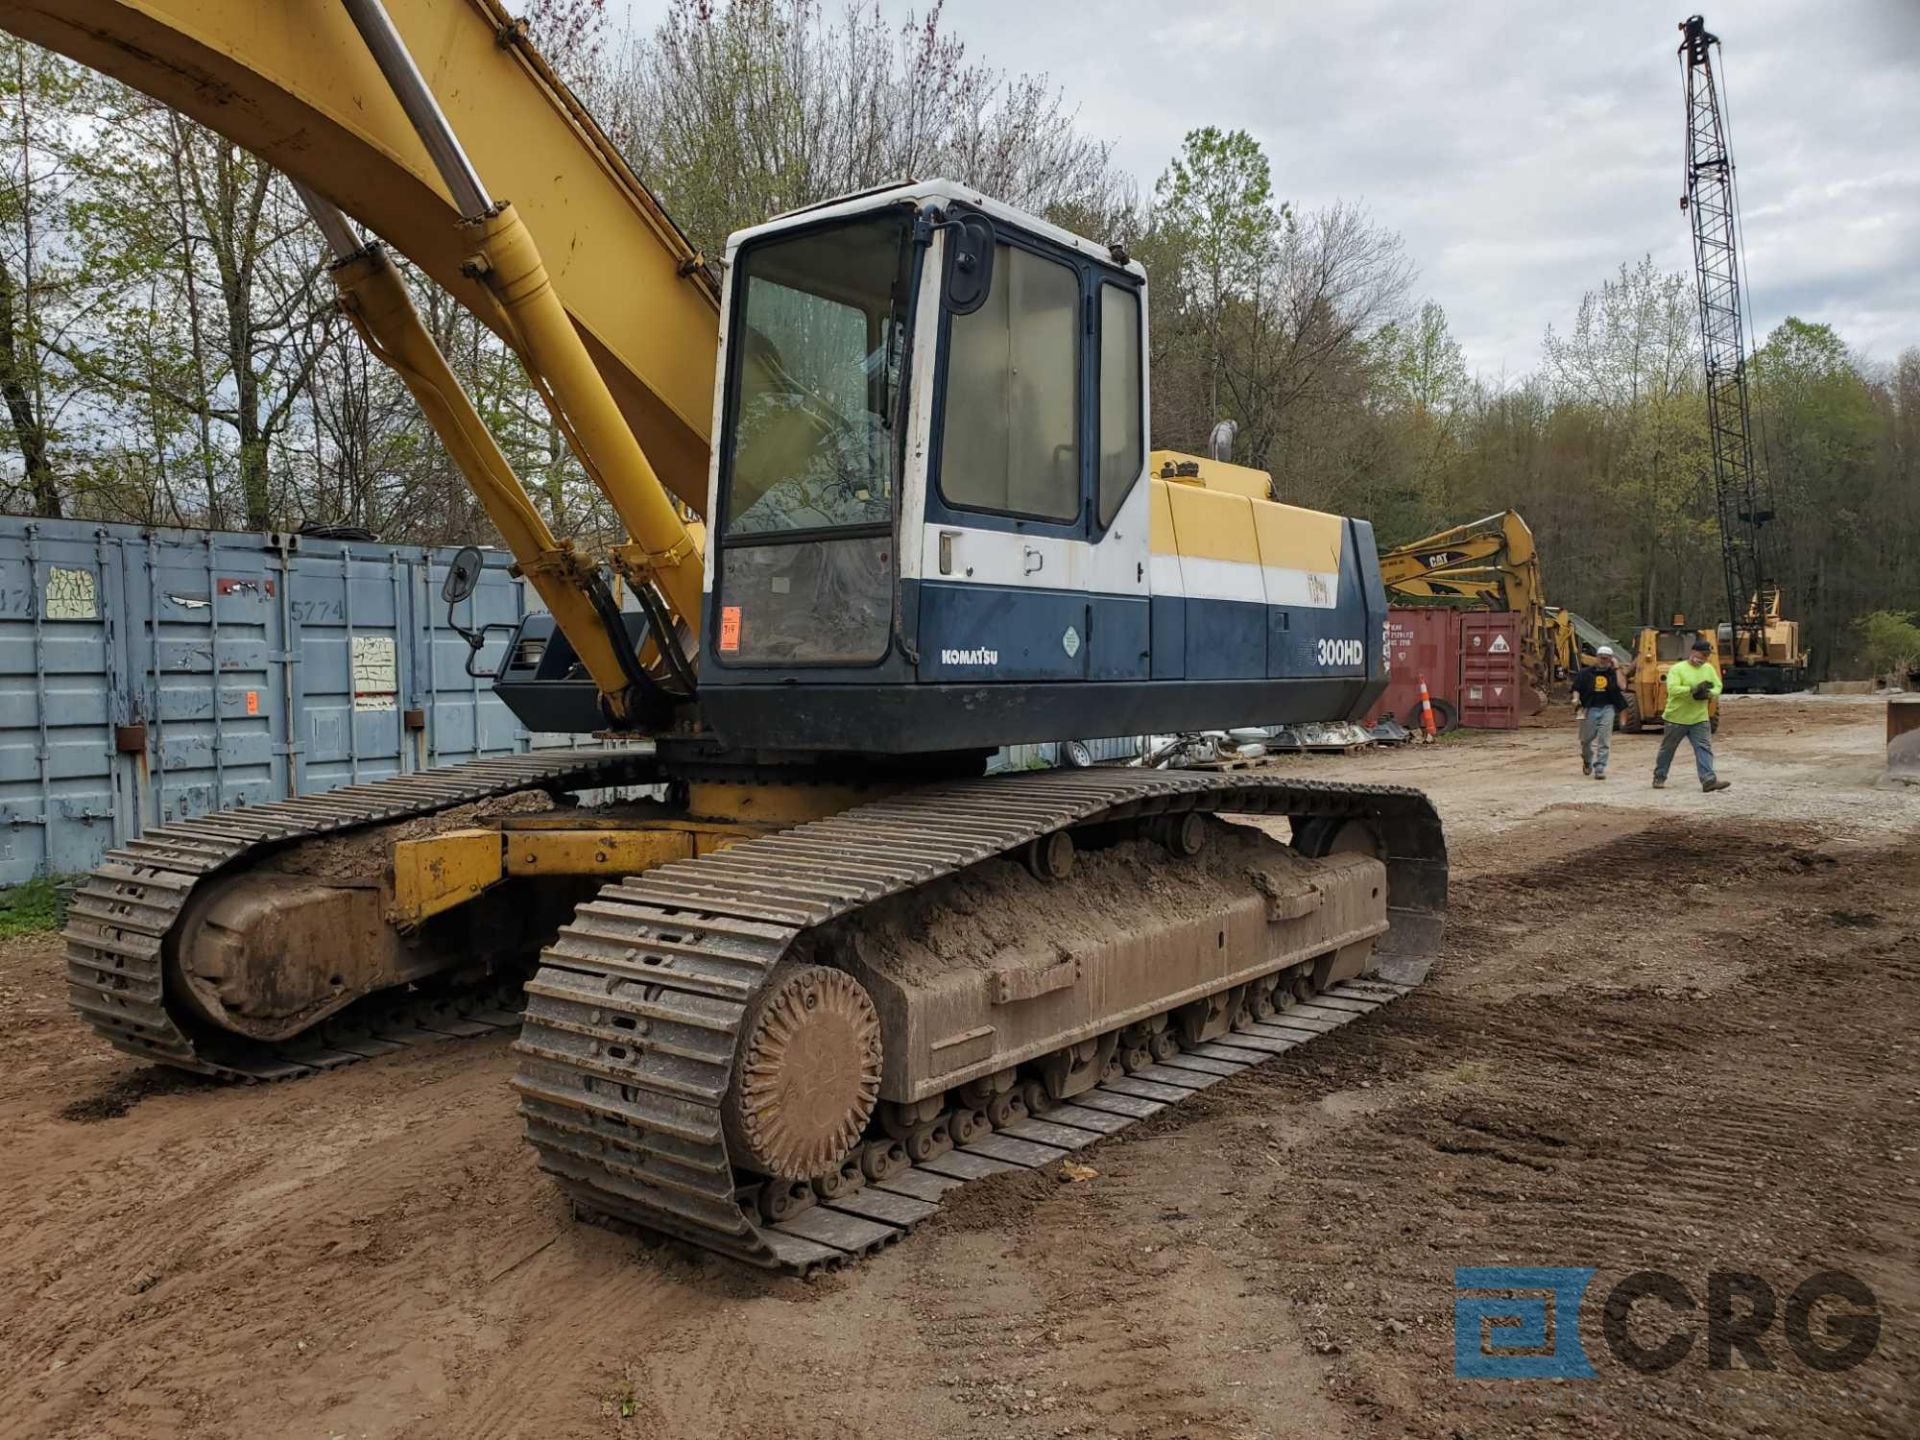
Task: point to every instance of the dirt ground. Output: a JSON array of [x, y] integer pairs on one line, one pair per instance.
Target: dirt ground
[[1669, 1031]]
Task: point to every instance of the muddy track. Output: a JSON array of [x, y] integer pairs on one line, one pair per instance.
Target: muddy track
[[633, 1021], [122, 913], [1748, 1106]]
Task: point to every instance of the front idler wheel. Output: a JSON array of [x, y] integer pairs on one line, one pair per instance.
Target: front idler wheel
[[806, 1074]]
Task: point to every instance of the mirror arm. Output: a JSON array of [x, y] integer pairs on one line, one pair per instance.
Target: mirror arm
[[477, 641]]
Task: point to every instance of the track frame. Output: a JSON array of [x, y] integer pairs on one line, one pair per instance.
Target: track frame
[[630, 1032]]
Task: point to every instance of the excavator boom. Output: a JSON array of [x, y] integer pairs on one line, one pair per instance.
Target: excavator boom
[[293, 82], [1500, 543], [1490, 563]]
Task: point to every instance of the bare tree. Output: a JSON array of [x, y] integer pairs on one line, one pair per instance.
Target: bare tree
[[735, 114], [1632, 339], [251, 321]]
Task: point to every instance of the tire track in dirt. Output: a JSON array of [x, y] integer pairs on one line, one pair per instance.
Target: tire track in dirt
[[1568, 1089], [308, 1199], [1765, 1126]]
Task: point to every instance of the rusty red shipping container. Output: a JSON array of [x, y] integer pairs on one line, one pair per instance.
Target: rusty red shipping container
[[1490, 679], [1469, 659], [1422, 641]]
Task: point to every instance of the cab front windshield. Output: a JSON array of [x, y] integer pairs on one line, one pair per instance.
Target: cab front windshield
[[1675, 644], [815, 374]]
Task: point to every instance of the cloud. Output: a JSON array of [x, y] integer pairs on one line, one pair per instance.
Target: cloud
[[1524, 152]]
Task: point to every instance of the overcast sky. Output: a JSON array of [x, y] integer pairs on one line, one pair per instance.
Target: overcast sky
[[1523, 151]]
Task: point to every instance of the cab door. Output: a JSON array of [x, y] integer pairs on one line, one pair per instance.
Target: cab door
[[1021, 570]]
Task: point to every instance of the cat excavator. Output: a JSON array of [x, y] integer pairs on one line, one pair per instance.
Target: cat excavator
[[1493, 564], [793, 967]]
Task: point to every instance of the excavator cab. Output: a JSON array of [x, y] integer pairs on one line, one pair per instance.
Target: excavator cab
[[933, 522], [928, 473]]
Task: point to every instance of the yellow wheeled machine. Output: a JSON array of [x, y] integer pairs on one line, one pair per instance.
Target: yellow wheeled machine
[[1656, 650]]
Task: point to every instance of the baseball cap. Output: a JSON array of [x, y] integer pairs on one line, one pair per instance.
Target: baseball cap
[[1606, 650], [1701, 645]]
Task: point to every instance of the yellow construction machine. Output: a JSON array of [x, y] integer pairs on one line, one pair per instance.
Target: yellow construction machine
[[827, 969], [1576, 641], [1656, 649], [1493, 564], [1764, 652]]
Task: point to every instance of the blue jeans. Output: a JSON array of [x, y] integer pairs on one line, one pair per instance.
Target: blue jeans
[[1700, 735], [1596, 737]]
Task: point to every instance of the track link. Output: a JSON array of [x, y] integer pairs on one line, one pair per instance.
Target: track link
[[628, 1040], [121, 913]]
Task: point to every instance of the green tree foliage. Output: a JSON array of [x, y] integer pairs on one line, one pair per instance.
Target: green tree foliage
[[169, 352], [1215, 207], [1889, 643], [1264, 316], [1820, 434], [39, 272]]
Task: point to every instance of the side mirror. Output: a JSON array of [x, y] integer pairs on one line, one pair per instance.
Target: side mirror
[[463, 575], [969, 263]]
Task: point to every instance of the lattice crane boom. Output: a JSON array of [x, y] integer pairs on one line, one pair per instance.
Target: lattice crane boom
[[1740, 490]]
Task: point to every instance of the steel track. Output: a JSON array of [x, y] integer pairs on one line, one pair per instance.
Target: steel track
[[121, 913], [628, 1040]]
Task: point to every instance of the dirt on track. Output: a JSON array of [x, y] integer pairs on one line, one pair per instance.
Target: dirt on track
[[1667, 1032]]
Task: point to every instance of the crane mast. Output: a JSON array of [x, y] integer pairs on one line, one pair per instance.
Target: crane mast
[[1741, 496]]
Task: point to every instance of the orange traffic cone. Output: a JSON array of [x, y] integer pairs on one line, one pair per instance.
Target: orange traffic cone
[[1426, 711]]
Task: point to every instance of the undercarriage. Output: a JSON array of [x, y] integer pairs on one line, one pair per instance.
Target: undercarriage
[[784, 1042]]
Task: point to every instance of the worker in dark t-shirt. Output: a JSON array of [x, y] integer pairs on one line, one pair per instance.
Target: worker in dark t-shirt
[[1598, 693]]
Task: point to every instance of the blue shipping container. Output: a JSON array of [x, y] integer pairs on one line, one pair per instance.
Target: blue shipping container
[[147, 675]]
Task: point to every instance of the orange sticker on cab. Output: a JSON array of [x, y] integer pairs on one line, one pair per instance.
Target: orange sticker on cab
[[729, 628]]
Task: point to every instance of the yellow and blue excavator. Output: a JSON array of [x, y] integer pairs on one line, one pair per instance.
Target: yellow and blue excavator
[[828, 970]]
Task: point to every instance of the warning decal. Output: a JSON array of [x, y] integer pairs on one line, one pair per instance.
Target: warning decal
[[376, 676], [1499, 646], [729, 628], [72, 595]]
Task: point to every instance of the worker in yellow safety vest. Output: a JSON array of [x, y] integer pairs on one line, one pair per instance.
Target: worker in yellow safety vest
[[1691, 686]]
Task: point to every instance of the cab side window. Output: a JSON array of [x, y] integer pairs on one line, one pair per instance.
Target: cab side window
[[1010, 441], [1122, 433]]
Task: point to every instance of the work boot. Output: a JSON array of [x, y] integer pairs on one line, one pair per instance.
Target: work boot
[[1599, 774], [1712, 785], [1586, 767], [1658, 783]]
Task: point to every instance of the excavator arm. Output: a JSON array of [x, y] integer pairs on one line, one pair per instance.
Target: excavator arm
[[1484, 558], [412, 118], [293, 82], [1490, 563]]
